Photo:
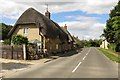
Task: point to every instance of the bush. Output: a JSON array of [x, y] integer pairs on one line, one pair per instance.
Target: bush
[[7, 41], [117, 48], [19, 40], [114, 47]]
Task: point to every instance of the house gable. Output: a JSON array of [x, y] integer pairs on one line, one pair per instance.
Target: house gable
[[33, 31], [46, 26]]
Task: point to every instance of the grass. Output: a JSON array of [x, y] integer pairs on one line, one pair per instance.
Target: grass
[[118, 53], [109, 55], [114, 51]]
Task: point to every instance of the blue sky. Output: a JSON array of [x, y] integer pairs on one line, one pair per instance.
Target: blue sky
[[7, 20], [60, 17], [84, 18]]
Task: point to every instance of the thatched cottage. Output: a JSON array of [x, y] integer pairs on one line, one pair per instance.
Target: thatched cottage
[[71, 40], [36, 26]]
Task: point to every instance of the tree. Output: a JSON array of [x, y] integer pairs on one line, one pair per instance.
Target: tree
[[112, 30], [7, 41], [91, 43], [5, 29], [19, 40]]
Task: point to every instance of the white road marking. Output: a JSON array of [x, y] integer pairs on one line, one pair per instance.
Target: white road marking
[[89, 51], [84, 58], [76, 67], [81, 62], [86, 54]]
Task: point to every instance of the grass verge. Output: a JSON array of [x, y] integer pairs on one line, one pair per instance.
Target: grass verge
[[109, 55]]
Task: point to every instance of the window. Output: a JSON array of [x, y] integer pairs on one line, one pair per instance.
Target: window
[[57, 46], [25, 30]]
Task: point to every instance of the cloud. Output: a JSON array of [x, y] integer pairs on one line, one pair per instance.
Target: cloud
[[89, 6], [10, 9], [98, 6], [87, 27], [14, 8], [82, 18]]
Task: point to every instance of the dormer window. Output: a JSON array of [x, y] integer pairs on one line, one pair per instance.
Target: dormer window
[[25, 30]]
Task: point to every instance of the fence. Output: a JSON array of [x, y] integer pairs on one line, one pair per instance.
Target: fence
[[33, 53], [16, 52], [12, 52]]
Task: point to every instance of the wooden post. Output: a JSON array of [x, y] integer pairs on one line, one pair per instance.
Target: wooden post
[[17, 54], [24, 52], [12, 52], [44, 44]]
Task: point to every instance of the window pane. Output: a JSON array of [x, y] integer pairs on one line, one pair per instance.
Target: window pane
[[25, 30]]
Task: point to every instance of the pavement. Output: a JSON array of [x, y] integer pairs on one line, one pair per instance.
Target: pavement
[[8, 66], [88, 63]]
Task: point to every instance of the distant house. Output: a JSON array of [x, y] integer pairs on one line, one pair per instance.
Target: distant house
[[104, 44], [35, 26], [77, 42], [71, 40]]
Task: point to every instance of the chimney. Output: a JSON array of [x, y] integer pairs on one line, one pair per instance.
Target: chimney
[[47, 13], [65, 26]]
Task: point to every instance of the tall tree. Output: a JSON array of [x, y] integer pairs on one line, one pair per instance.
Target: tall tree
[[5, 29], [112, 30]]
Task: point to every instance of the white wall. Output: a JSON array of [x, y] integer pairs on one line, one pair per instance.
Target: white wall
[[104, 44]]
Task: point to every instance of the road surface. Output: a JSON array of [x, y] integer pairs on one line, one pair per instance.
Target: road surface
[[88, 63]]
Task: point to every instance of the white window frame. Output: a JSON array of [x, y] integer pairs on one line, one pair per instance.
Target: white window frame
[[25, 30]]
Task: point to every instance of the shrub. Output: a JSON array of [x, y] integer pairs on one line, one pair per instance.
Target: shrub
[[117, 48], [114, 47], [7, 41], [19, 40]]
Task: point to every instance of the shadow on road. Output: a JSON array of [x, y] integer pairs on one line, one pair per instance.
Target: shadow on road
[[12, 65], [64, 54], [69, 53]]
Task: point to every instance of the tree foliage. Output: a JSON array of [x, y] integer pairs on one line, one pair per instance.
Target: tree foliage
[[7, 41], [5, 29], [91, 43], [112, 30], [19, 40]]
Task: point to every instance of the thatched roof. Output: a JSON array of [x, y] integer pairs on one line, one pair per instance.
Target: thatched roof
[[69, 35], [62, 34], [48, 27]]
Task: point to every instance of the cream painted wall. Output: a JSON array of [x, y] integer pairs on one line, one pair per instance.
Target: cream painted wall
[[53, 45], [33, 32]]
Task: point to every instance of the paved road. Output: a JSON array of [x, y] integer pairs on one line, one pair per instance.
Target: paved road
[[89, 63]]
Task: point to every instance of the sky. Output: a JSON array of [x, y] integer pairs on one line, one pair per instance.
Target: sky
[[84, 18]]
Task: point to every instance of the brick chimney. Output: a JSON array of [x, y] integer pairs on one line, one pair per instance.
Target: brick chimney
[[47, 13], [65, 26]]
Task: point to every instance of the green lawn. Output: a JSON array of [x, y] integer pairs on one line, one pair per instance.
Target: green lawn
[[114, 51], [109, 55]]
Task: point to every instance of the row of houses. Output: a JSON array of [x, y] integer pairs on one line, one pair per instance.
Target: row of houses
[[50, 37]]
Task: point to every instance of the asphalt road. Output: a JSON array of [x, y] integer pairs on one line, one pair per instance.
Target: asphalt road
[[88, 63]]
